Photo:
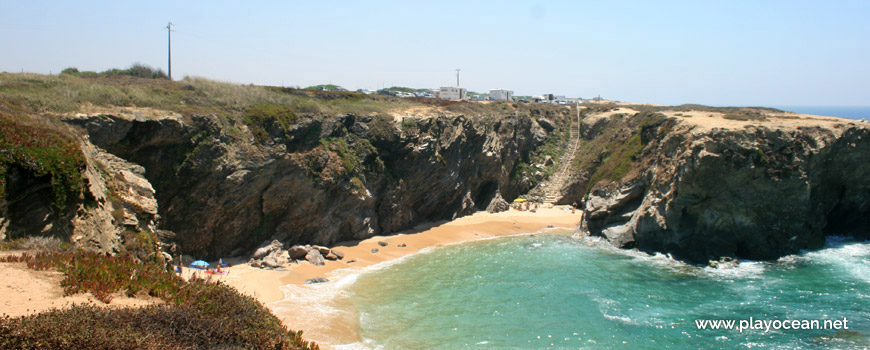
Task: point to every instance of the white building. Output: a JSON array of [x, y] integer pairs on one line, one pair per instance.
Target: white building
[[501, 95], [452, 93]]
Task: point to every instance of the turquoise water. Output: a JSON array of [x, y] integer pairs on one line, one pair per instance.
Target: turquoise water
[[550, 291]]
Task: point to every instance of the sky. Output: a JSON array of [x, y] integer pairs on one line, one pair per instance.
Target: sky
[[739, 53]]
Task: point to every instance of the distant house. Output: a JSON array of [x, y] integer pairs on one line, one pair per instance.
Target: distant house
[[501, 95], [545, 98], [452, 93], [550, 98]]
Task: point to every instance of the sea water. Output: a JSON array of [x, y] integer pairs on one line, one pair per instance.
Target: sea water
[[851, 112], [551, 291]]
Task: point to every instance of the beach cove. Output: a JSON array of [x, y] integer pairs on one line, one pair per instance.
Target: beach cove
[[294, 302]]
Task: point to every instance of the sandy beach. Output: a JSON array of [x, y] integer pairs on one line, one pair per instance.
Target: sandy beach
[[26, 292], [318, 309]]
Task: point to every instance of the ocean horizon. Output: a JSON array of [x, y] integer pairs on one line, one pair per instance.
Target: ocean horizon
[[851, 112]]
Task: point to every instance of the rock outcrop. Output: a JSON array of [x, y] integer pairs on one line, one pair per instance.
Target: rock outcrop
[[757, 193], [108, 205], [322, 179], [273, 255]]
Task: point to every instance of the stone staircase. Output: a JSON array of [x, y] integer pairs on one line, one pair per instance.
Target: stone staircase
[[553, 187]]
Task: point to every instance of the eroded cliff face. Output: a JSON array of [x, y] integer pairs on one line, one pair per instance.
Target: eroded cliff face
[[322, 179], [102, 203], [755, 192]]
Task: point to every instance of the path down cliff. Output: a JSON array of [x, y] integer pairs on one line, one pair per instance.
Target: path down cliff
[[554, 185]]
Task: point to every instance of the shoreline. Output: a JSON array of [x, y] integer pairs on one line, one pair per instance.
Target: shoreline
[[294, 302]]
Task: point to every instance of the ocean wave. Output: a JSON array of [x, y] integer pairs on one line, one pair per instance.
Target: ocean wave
[[746, 269], [845, 254], [742, 270], [330, 300]]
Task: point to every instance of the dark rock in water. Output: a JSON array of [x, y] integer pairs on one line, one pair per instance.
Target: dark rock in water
[[403, 245], [850, 338], [726, 262], [382, 243], [316, 280], [375, 250], [314, 257], [297, 252], [351, 261]]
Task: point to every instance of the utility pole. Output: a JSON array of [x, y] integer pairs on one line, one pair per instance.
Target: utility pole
[[457, 77], [169, 33]]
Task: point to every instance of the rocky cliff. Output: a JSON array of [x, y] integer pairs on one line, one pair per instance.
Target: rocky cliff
[[56, 183], [231, 167], [757, 189], [224, 186]]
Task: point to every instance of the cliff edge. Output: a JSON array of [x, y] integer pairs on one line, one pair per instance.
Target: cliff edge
[[758, 185]]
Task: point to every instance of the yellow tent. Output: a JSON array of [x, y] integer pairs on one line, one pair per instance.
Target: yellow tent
[[519, 200]]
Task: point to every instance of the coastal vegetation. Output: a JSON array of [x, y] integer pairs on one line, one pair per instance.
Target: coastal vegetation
[[41, 150], [195, 314], [136, 70]]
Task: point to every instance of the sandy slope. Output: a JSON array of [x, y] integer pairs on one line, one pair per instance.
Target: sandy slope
[[25, 292]]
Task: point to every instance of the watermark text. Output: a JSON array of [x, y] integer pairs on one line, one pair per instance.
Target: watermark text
[[769, 325]]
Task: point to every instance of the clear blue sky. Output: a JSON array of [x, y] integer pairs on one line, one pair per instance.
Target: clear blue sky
[[710, 52]]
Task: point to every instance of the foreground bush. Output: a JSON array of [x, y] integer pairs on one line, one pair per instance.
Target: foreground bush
[[198, 314]]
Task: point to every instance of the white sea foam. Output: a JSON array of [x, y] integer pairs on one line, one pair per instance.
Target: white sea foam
[[622, 319], [849, 256], [746, 269], [324, 299]]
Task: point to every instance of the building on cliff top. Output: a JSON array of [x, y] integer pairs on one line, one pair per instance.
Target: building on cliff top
[[452, 93], [501, 95]]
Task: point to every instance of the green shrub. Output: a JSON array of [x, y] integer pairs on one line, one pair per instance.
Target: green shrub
[[138, 70], [42, 152], [198, 314], [261, 117]]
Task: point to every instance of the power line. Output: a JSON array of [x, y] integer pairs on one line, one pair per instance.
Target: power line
[[169, 53]]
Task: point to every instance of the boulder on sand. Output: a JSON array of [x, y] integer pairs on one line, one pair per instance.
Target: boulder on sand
[[314, 257], [338, 254], [321, 249], [297, 252], [271, 261]]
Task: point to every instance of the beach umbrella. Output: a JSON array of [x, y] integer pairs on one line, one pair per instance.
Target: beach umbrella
[[199, 264], [519, 200]]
